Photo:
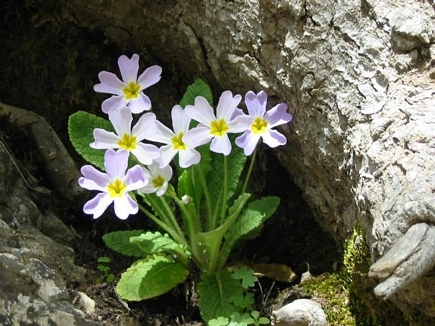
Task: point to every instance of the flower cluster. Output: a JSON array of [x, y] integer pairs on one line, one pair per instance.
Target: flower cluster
[[154, 171]]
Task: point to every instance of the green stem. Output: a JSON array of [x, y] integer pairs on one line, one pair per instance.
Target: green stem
[[225, 192], [248, 175], [192, 227], [206, 195], [172, 218], [164, 226]]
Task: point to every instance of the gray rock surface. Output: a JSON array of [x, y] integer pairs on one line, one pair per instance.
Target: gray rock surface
[[34, 268]]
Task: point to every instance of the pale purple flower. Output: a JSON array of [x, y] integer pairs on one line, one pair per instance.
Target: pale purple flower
[[215, 128], [158, 179], [174, 140], [129, 91], [127, 138], [262, 123], [114, 185]]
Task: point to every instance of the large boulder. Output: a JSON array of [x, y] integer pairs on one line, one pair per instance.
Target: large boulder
[[358, 77]]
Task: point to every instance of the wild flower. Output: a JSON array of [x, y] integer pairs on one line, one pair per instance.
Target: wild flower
[[114, 186], [129, 90]]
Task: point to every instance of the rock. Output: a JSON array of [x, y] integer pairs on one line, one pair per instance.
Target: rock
[[34, 268], [86, 303], [301, 312]]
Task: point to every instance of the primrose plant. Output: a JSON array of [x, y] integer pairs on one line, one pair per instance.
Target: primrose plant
[[202, 215]]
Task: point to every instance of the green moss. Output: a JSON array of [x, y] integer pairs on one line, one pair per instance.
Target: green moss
[[347, 295]]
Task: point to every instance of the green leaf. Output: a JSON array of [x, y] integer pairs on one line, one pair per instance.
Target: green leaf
[[239, 320], [243, 301], [189, 181], [215, 181], [220, 321], [81, 127], [214, 290], [246, 275], [255, 214], [154, 242], [103, 259], [119, 241], [150, 277], [198, 88]]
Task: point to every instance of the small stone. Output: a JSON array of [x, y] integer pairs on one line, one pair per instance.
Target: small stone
[[301, 312], [86, 303]]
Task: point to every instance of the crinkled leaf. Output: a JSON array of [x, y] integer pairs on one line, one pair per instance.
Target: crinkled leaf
[[119, 241], [198, 88], [214, 290], [150, 277], [81, 127], [154, 242], [255, 214]]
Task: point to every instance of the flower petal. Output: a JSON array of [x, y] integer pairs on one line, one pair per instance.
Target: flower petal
[[116, 163], [197, 136], [97, 205], [162, 134], [167, 153], [125, 206], [161, 190], [278, 115], [110, 84], [227, 105], [201, 111], [221, 145], [116, 101], [145, 126], [104, 139], [140, 104], [134, 178], [129, 68], [239, 124], [256, 104], [121, 120], [93, 179], [188, 157], [273, 138], [149, 77], [146, 153], [248, 141], [180, 120]]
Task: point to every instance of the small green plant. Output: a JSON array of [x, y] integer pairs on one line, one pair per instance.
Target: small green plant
[[104, 268], [206, 212]]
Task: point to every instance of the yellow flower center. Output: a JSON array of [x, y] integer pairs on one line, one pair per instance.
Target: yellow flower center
[[131, 91], [158, 181], [128, 142], [177, 142], [219, 127], [259, 126], [116, 188]]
